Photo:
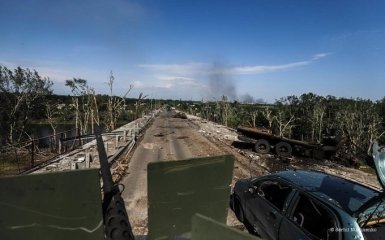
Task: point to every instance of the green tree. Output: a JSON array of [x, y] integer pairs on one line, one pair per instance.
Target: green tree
[[359, 124], [21, 92], [83, 101], [285, 115]]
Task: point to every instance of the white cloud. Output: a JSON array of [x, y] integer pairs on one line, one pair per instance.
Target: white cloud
[[138, 84], [175, 78], [259, 69], [321, 55], [186, 71], [171, 81]]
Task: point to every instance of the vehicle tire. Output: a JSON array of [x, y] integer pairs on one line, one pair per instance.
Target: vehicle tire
[[318, 154], [283, 149], [262, 146]]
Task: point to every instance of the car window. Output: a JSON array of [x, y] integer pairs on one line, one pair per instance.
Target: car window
[[274, 192], [315, 218], [351, 197]]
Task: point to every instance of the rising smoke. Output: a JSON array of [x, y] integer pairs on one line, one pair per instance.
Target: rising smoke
[[221, 83], [247, 98]]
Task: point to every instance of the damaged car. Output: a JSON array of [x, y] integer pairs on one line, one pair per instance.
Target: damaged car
[[311, 205]]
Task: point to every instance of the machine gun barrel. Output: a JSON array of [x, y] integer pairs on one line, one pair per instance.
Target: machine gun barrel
[[104, 165], [116, 223]]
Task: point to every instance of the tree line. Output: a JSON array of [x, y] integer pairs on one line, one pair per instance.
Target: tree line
[[356, 123], [26, 97]]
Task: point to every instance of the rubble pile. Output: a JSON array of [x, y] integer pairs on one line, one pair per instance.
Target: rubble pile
[[181, 115], [218, 131]]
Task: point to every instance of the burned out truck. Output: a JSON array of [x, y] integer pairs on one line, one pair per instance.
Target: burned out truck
[[264, 141]]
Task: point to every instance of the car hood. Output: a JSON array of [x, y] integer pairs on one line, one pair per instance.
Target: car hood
[[379, 162], [376, 203]]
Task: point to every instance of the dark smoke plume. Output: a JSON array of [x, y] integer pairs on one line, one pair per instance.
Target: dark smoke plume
[[260, 101], [247, 98], [221, 83]]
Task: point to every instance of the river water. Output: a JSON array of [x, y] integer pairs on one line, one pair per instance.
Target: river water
[[44, 132]]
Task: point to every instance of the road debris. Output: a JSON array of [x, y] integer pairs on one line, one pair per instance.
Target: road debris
[[181, 115]]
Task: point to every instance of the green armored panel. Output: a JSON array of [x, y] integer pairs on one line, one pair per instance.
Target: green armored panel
[[61, 205], [179, 189], [204, 228]]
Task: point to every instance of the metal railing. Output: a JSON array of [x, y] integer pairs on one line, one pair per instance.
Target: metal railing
[[17, 158]]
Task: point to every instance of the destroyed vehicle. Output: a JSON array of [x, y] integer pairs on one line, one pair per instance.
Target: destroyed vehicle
[[311, 205], [264, 141]]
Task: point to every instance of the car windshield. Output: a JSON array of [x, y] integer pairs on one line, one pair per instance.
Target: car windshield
[[351, 201], [345, 194]]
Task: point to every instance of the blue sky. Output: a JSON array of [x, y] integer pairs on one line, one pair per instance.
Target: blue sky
[[201, 49]]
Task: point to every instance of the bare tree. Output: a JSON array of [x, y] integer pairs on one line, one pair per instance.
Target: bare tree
[[268, 114], [84, 103], [94, 113], [254, 115], [318, 115], [21, 92], [52, 113], [138, 102], [284, 115], [206, 110], [359, 124], [375, 131], [115, 105], [285, 123], [226, 108]]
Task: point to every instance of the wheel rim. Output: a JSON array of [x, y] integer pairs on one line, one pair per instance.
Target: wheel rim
[[262, 146], [283, 149]]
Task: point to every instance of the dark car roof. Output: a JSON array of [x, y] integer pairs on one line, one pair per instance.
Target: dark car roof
[[346, 194]]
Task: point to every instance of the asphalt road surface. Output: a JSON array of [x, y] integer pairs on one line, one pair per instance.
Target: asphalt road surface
[[168, 138]]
